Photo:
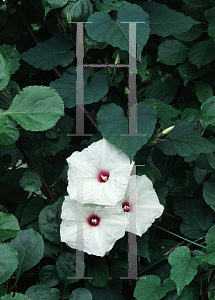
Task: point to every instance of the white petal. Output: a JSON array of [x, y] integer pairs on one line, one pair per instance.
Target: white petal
[[97, 239], [101, 155]]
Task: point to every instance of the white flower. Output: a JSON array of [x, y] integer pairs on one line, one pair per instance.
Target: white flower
[[104, 171], [102, 226], [147, 207]]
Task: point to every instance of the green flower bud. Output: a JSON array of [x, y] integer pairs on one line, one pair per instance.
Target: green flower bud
[[167, 130]]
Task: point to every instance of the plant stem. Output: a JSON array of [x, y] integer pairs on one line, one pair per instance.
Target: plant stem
[[33, 167], [179, 236]]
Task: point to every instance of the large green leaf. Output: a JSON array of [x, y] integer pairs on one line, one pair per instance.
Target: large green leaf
[[208, 111], [12, 54], [48, 275], [30, 247], [98, 269], [52, 52], [92, 44], [32, 210], [163, 90], [191, 35], [52, 4], [8, 226], [184, 267], [197, 217], [165, 21], [209, 257], [203, 91], [49, 222], [202, 53], [81, 294], [209, 192], [79, 10], [10, 133], [30, 182], [36, 108], [39, 292], [112, 123], [66, 267], [8, 261], [5, 69], [93, 91], [104, 29], [149, 288], [189, 72], [172, 52], [184, 141]]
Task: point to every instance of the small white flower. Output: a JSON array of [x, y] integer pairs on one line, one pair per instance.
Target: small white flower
[[104, 171], [147, 207], [102, 226]]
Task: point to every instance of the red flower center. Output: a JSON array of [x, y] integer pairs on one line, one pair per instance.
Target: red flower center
[[93, 220], [103, 176], [125, 206]]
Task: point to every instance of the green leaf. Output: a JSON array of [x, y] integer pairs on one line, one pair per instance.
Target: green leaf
[[149, 288], [211, 29], [79, 10], [49, 222], [8, 261], [210, 234], [208, 111], [172, 52], [30, 182], [165, 21], [8, 226], [112, 123], [52, 4], [209, 192], [198, 3], [39, 291], [66, 267], [92, 44], [51, 53], [203, 91], [141, 67], [118, 35], [184, 141], [11, 133], [197, 217], [167, 111], [30, 247], [189, 72], [81, 294], [3, 121], [93, 91], [202, 53], [17, 296], [36, 108], [97, 269], [5, 69], [32, 210], [184, 267], [48, 275], [142, 246], [3, 290], [58, 144], [164, 90], [8, 93], [12, 54], [108, 5], [191, 35], [210, 256]]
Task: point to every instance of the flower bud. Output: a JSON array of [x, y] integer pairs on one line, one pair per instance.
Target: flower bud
[[167, 130], [117, 61], [127, 91], [69, 18]]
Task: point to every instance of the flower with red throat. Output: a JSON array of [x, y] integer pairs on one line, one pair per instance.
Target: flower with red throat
[[140, 204], [102, 226], [104, 171]]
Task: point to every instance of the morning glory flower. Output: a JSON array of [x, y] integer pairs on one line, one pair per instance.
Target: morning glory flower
[[102, 226], [104, 171], [148, 207]]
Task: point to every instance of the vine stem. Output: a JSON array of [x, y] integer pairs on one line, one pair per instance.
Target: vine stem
[[33, 167], [55, 69]]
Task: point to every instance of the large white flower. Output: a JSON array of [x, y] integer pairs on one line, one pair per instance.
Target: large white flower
[[104, 171], [102, 226], [141, 203]]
